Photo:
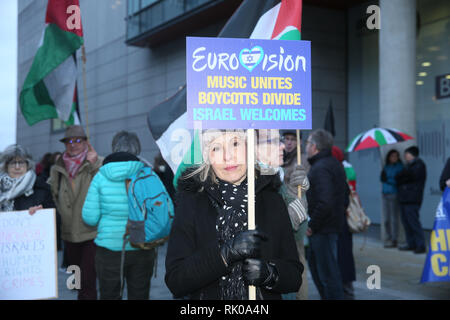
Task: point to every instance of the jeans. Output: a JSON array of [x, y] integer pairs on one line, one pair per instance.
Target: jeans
[[82, 254], [138, 270], [323, 264], [391, 217], [413, 227]]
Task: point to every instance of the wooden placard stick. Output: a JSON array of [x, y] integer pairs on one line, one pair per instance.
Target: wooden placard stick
[[251, 192], [83, 58], [299, 160]]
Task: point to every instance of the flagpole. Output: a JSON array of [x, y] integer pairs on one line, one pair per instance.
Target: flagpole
[[251, 192], [83, 58], [299, 160]]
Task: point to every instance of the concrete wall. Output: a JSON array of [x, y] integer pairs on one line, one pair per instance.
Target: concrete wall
[[329, 64], [124, 82], [363, 111]]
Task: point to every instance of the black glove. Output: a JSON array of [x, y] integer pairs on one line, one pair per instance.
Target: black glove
[[246, 244], [260, 273]]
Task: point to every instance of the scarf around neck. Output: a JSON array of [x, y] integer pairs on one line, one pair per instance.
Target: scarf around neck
[[73, 164], [231, 220], [12, 188]]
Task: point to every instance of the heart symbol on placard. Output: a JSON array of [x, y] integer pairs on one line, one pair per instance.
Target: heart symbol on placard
[[250, 58]]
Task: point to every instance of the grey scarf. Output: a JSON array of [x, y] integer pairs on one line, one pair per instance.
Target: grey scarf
[[11, 188]]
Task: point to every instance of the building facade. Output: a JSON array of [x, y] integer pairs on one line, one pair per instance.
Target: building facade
[[135, 54]]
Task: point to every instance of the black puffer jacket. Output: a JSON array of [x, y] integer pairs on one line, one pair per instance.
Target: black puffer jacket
[[445, 175], [193, 262], [411, 182], [328, 193], [41, 196]]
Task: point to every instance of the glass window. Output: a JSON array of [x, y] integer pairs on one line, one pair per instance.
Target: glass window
[[58, 125], [133, 26], [173, 9], [133, 6], [433, 61], [146, 3]]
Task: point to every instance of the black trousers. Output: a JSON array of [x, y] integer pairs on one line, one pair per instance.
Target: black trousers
[[346, 260], [138, 270], [413, 228]]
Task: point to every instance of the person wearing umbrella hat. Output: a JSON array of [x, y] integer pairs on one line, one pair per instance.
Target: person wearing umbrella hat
[[70, 178], [411, 184]]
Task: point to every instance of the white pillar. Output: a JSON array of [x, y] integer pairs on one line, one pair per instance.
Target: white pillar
[[397, 45], [397, 52]]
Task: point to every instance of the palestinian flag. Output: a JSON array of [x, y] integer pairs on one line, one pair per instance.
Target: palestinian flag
[[167, 121], [49, 90]]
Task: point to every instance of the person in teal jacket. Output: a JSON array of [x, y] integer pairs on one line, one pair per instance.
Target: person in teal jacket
[[391, 206], [106, 207]]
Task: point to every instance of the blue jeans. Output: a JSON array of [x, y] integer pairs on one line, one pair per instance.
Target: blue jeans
[[324, 267]]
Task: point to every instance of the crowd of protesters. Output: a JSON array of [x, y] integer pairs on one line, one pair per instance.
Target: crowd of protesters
[[300, 211]]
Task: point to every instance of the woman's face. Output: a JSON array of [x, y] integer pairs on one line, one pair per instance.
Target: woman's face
[[228, 157], [393, 158], [270, 148], [75, 146], [17, 167]]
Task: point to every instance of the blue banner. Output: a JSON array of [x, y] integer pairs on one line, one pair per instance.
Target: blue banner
[[437, 264]]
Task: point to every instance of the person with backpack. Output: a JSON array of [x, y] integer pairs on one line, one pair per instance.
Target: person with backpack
[[107, 208], [211, 253]]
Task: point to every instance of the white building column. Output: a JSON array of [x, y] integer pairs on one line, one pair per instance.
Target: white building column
[[397, 54], [397, 51]]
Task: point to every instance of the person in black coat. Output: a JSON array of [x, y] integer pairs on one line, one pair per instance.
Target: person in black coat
[[411, 184], [328, 198], [211, 254], [444, 180]]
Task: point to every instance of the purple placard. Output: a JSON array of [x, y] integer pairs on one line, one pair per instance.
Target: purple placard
[[248, 83]]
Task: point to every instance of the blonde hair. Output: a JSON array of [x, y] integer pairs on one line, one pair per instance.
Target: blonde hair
[[205, 171]]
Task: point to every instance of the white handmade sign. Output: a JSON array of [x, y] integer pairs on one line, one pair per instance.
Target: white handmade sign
[[28, 262]]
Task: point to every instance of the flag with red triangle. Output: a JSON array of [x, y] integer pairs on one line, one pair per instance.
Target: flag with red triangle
[[49, 90]]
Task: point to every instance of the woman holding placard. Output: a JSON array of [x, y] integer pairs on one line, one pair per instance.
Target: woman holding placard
[[211, 254], [20, 189]]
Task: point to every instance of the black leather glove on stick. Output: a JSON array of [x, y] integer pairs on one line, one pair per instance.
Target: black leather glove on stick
[[259, 273], [246, 244]]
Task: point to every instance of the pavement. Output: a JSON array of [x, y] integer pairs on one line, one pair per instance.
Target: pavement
[[400, 273]]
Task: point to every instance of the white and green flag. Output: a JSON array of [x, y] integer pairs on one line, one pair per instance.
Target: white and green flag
[[49, 90]]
